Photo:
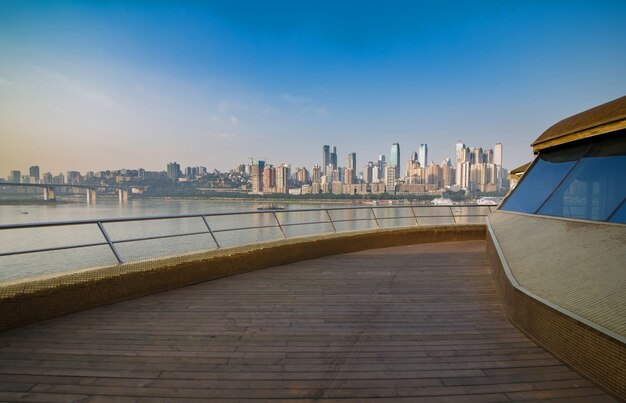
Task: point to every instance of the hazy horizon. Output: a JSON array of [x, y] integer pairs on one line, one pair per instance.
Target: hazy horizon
[[97, 85]]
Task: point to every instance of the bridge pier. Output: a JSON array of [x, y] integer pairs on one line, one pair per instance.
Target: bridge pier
[[91, 196], [48, 194], [122, 195]]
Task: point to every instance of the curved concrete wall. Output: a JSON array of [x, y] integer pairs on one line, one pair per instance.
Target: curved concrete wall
[[529, 299], [34, 300]]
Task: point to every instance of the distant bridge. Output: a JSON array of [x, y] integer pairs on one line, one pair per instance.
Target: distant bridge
[[50, 189]]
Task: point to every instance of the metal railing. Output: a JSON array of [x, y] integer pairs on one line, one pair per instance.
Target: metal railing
[[407, 212]]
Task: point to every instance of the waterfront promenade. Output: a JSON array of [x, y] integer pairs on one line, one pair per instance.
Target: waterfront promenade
[[410, 323]]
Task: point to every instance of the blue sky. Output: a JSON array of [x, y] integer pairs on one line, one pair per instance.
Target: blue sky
[[99, 85]]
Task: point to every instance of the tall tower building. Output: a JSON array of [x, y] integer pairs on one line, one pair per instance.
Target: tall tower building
[[257, 169], [173, 171], [395, 158], [15, 176], [414, 156], [422, 155], [282, 178], [368, 172], [269, 177], [34, 172], [497, 154], [488, 156], [462, 152], [325, 158], [390, 179], [352, 166], [381, 164], [333, 158], [476, 157], [316, 174]]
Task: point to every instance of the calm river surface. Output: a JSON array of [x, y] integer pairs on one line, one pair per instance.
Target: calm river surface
[[19, 266]]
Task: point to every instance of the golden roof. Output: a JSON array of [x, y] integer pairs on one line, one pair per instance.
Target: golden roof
[[604, 118]]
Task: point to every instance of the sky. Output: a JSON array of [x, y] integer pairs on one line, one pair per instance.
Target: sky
[[97, 85]]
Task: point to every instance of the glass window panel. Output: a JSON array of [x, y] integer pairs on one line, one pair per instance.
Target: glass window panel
[[620, 215], [543, 177], [596, 187]]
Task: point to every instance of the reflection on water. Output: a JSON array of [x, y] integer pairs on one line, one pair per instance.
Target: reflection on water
[[258, 227]]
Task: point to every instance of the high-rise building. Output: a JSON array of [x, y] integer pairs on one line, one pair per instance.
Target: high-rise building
[[333, 158], [394, 159], [476, 157], [463, 174], [349, 176], [462, 152], [488, 156], [47, 177], [15, 176], [173, 171], [325, 158], [316, 174], [381, 167], [368, 172], [269, 178], [422, 155], [433, 175], [390, 179], [34, 172], [282, 178], [352, 166], [497, 154], [413, 156], [73, 177], [258, 166], [500, 180], [447, 173]]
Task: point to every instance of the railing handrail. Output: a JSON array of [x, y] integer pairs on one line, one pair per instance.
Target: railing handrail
[[273, 212], [229, 213]]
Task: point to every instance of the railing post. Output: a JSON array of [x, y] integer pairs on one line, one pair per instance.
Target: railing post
[[452, 213], [111, 245], [414, 216], [211, 232], [331, 220], [375, 218], [279, 226]]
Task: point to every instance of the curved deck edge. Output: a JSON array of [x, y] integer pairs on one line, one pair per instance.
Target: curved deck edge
[[29, 301]]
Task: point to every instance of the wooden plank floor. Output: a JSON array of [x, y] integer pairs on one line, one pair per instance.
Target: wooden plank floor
[[412, 323]]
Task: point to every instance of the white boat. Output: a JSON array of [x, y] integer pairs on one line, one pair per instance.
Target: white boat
[[442, 201], [489, 201]]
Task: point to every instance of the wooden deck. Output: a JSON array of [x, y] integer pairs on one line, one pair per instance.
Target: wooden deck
[[412, 323]]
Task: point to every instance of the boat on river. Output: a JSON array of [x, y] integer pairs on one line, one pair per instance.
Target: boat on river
[[270, 206]]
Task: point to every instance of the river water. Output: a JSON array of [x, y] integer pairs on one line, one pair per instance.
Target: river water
[[29, 265]]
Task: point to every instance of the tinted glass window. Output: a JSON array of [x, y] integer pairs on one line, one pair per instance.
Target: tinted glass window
[[620, 215], [596, 186], [543, 177]]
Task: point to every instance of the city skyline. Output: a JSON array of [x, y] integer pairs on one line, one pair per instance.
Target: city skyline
[[94, 85]]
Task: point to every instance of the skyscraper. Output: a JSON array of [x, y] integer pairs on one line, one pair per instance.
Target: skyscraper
[[381, 167], [282, 178], [316, 174], [352, 166], [422, 155], [333, 158], [34, 172], [257, 169], [15, 176], [269, 177], [497, 154], [394, 159], [173, 171], [325, 158]]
